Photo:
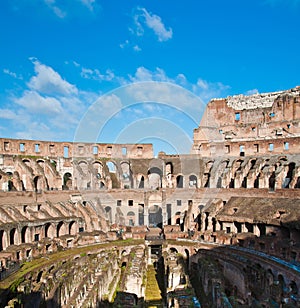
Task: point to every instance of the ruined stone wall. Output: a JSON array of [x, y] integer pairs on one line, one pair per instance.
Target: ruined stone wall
[[256, 124], [73, 149]]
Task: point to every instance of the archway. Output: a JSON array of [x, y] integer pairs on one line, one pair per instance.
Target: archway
[[13, 237], [155, 216], [25, 236], [193, 181], [179, 181], [108, 212], [155, 176], [59, 230], [141, 182], [67, 184], [72, 228], [49, 230], [131, 218]]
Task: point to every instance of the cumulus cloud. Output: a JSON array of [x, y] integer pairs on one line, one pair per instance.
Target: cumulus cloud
[[49, 81], [204, 89], [143, 18], [35, 103], [7, 114], [144, 74]]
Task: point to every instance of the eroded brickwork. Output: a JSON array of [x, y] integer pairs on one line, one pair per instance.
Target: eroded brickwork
[[239, 187]]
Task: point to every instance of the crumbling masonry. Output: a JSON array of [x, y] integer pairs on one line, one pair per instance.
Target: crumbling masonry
[[239, 187]]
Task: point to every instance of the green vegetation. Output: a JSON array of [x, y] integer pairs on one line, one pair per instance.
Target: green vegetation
[[152, 292], [16, 278]]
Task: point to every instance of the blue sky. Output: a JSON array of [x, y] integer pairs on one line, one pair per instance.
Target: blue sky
[[137, 71]]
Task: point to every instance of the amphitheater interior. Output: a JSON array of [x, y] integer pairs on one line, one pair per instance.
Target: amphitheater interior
[[110, 225]]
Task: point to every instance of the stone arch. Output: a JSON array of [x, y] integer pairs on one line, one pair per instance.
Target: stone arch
[[59, 229], [67, 181], [155, 215], [13, 237], [49, 230], [10, 184], [101, 185], [126, 174], [272, 181], [108, 212], [256, 181], [169, 168], [193, 181], [293, 287], [290, 174], [113, 174], [3, 240], [39, 276], [39, 183], [27, 162], [83, 165], [173, 250], [177, 218], [41, 162], [25, 235], [281, 282], [98, 168], [72, 228], [155, 177], [140, 181], [141, 214], [112, 167], [180, 181], [131, 218]]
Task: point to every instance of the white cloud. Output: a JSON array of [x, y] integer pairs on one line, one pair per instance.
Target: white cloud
[[56, 10], [251, 92], [123, 45], [136, 48], [153, 22], [95, 74], [12, 74], [143, 74], [208, 90], [204, 89], [49, 81], [7, 114], [89, 4], [56, 6], [202, 84], [37, 104]]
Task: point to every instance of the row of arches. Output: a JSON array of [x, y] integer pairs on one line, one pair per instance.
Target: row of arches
[[28, 234], [272, 173]]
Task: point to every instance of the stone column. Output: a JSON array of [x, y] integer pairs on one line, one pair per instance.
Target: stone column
[[243, 228], [202, 221], [218, 226], [256, 230]]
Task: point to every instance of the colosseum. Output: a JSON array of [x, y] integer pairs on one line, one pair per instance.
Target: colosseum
[[110, 225]]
